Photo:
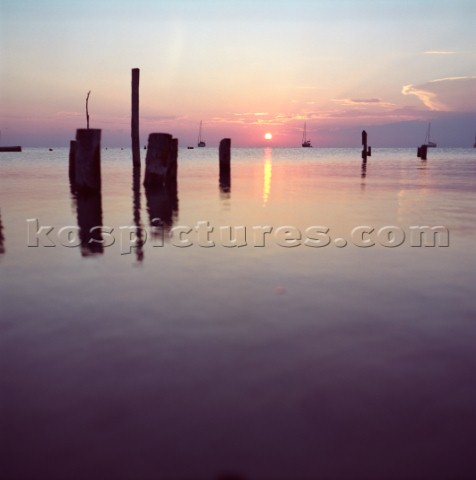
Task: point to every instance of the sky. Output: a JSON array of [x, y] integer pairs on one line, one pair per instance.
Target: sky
[[244, 68]]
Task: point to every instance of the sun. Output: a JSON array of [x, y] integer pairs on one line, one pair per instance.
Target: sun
[[268, 136]]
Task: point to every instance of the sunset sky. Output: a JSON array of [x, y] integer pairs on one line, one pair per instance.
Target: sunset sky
[[243, 67]]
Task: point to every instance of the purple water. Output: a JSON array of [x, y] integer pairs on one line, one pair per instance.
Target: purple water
[[263, 362]]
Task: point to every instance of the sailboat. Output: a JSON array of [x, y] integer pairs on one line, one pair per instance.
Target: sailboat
[[428, 142], [200, 143], [305, 142]]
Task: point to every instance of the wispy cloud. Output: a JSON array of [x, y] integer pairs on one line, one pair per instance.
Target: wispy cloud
[[362, 102], [428, 98], [439, 52], [446, 94], [67, 114]]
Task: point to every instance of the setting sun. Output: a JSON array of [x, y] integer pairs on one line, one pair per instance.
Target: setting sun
[[268, 136]]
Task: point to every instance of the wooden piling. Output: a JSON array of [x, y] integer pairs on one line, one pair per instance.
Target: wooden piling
[[159, 147], [366, 151], [87, 171], [172, 167], [72, 161], [422, 152], [225, 152], [2, 237], [135, 117]]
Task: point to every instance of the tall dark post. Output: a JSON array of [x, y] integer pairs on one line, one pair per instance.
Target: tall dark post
[[87, 171], [135, 117], [366, 151]]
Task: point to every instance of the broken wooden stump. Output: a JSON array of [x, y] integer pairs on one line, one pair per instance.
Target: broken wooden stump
[[224, 153], [159, 148], [422, 152], [172, 168], [87, 161]]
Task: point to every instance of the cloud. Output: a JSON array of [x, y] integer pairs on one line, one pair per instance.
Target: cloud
[[67, 114], [251, 114], [439, 52], [446, 94], [362, 102]]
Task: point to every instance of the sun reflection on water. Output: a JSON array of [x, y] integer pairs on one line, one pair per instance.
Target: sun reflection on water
[[268, 168]]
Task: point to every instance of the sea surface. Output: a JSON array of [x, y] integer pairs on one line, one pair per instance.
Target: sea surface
[[338, 345]]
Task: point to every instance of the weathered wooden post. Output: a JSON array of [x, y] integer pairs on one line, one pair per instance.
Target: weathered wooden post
[[422, 152], [87, 171], [2, 237], [72, 161], [366, 151], [157, 158], [135, 117], [173, 163], [224, 153]]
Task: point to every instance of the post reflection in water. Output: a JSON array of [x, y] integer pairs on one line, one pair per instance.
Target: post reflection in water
[[268, 170], [2, 238], [363, 172], [136, 212], [224, 181], [162, 207], [363, 175], [88, 206]]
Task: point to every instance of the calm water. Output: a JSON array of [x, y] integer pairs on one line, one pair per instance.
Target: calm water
[[265, 362]]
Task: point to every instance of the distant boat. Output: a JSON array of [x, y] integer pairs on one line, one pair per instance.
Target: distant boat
[[305, 142], [190, 148], [200, 143], [428, 142], [474, 145]]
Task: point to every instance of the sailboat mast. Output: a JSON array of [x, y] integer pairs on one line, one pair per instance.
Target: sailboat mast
[[200, 142]]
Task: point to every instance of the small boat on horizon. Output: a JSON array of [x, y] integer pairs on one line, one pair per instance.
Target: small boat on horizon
[[201, 142], [428, 142], [305, 142]]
